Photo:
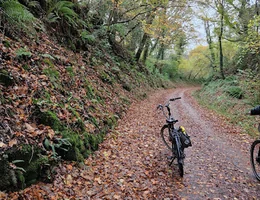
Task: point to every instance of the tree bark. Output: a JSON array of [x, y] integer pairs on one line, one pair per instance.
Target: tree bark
[[221, 63], [141, 47], [150, 18], [146, 49]]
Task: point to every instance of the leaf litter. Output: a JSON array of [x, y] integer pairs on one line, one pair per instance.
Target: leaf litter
[[132, 161]]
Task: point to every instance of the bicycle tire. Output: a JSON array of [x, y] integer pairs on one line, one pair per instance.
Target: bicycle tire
[[165, 136], [180, 159], [254, 155]]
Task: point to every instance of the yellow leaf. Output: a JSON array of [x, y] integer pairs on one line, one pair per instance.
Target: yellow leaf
[[68, 180], [107, 154]]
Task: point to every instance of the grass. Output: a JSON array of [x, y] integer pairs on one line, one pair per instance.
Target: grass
[[231, 98]]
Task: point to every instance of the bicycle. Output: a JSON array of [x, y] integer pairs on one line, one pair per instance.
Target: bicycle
[[175, 139], [255, 149]]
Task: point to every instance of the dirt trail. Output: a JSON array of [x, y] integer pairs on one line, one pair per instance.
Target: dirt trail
[[132, 162], [218, 165]]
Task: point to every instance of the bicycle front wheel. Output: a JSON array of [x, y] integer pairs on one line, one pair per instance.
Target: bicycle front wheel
[[255, 158], [165, 136]]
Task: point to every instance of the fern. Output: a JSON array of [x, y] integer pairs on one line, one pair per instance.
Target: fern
[[17, 15], [62, 10], [86, 36]]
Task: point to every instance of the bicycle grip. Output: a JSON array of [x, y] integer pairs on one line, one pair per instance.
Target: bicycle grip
[[173, 99]]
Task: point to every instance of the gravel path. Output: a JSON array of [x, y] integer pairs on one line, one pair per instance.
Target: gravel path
[[132, 162]]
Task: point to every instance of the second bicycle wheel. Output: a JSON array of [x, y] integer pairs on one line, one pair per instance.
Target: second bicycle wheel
[[255, 158], [165, 136]]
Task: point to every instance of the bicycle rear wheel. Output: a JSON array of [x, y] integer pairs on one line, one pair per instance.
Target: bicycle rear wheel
[[180, 157], [181, 170], [165, 136], [255, 158]]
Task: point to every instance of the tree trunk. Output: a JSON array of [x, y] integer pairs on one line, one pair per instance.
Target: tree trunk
[[161, 52], [221, 64], [210, 43], [257, 14], [150, 18], [141, 47], [146, 49], [154, 46]]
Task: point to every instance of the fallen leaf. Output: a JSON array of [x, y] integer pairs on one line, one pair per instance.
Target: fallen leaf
[[69, 167], [29, 128], [12, 142], [107, 154], [98, 180], [2, 144], [68, 180]]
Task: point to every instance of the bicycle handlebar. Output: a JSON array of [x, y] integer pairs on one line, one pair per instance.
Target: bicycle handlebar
[[167, 106]]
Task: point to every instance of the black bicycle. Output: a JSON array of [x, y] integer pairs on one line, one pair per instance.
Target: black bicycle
[[175, 139], [255, 149]]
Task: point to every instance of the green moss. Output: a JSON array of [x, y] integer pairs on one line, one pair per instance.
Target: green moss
[[93, 120], [49, 62], [77, 148], [5, 180], [6, 78], [80, 125], [70, 71], [74, 112], [92, 140], [79, 156], [106, 78], [52, 73], [49, 118], [6, 43], [26, 67], [33, 169], [127, 87], [89, 90], [111, 121], [24, 152], [125, 100], [20, 179], [29, 163]]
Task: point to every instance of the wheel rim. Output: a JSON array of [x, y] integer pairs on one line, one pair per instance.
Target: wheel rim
[[165, 137], [255, 158]]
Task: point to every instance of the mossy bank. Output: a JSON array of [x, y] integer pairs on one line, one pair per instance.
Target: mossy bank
[[58, 105]]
